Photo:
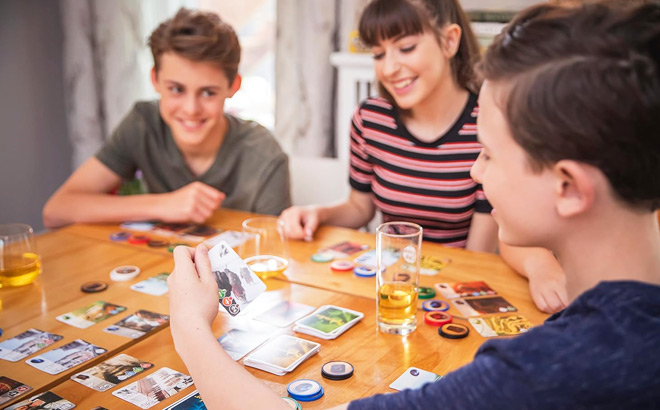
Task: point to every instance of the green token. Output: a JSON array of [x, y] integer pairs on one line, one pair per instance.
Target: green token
[[426, 293], [322, 257], [292, 403]]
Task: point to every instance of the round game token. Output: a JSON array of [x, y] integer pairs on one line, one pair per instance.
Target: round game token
[[292, 403], [435, 305], [124, 273], [93, 287], [453, 331], [342, 266], [157, 243], [402, 277], [305, 390], [138, 226], [322, 257], [337, 370], [170, 247], [364, 271], [138, 239], [120, 236], [437, 318], [426, 293]]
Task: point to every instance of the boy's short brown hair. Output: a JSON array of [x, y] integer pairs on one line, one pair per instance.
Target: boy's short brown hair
[[583, 84], [198, 36]]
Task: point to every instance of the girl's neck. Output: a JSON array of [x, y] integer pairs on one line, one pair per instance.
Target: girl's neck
[[437, 113]]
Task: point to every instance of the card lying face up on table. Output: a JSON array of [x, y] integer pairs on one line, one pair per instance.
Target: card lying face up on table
[[237, 284]]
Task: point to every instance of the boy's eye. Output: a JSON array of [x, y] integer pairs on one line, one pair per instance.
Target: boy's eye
[[208, 93], [175, 89]]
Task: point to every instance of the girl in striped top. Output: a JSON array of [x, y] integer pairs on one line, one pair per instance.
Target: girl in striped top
[[413, 147]]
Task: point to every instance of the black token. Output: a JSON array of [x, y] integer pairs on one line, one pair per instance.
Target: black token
[[337, 370], [157, 243], [93, 287], [453, 331]]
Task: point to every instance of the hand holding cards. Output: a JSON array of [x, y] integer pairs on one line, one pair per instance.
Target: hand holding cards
[[237, 284]]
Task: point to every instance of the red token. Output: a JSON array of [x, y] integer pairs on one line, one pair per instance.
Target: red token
[[138, 239], [342, 266], [437, 318]]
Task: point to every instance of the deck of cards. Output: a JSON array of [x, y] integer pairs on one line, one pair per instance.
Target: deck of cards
[[328, 322], [281, 354], [237, 284]]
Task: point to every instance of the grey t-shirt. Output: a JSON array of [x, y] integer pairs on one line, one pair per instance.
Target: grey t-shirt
[[250, 168]]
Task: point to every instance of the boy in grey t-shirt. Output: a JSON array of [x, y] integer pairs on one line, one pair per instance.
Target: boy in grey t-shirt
[[193, 156]]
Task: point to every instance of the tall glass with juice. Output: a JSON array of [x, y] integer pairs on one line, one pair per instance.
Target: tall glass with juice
[[398, 248], [265, 250], [19, 262]]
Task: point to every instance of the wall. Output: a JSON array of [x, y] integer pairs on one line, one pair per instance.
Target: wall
[[35, 154]]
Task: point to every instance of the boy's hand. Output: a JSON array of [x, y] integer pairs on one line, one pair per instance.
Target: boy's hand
[[193, 290], [194, 202], [300, 222], [548, 291]]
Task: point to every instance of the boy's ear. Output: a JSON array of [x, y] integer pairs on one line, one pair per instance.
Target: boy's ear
[[575, 190], [154, 78], [235, 86], [451, 39]]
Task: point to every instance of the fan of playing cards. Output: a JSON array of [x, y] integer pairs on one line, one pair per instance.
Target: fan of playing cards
[[237, 284]]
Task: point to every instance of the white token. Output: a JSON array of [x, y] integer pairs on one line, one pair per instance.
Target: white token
[[124, 273]]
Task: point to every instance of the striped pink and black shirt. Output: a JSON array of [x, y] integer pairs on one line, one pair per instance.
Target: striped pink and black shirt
[[416, 181]]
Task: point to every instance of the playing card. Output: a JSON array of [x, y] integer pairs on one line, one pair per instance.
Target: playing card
[[138, 324], [233, 238], [281, 354], [244, 338], [344, 249], [10, 389], [110, 373], [237, 284], [483, 306], [414, 378], [464, 289], [25, 344], [155, 285], [89, 315], [369, 258], [70, 355], [154, 388], [284, 313], [138, 226], [328, 321], [494, 326], [46, 400], [193, 401]]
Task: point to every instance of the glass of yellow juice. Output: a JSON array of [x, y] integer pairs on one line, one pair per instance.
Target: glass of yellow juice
[[19, 261], [265, 249], [398, 248]]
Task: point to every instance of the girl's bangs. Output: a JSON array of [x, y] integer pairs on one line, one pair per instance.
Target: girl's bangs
[[383, 20]]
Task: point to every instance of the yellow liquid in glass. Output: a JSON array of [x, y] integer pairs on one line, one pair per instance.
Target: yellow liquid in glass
[[19, 270], [267, 266], [397, 304]]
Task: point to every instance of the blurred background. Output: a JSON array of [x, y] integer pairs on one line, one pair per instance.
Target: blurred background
[[71, 69]]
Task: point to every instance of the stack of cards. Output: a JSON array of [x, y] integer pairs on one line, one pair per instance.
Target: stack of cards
[[245, 337], [154, 388], [282, 354], [237, 284], [284, 313], [328, 322]]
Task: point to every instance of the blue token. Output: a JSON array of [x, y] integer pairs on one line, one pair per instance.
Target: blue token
[[435, 305], [364, 271], [305, 390], [119, 236]]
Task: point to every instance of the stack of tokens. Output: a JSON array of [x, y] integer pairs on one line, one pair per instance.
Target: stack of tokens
[[453, 331], [437, 318], [322, 257], [342, 266], [305, 390], [124, 273], [120, 236], [426, 293], [364, 271], [292, 403], [138, 239], [337, 370], [157, 243], [435, 305]]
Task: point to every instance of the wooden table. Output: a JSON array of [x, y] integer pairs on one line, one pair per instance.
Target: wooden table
[[81, 253]]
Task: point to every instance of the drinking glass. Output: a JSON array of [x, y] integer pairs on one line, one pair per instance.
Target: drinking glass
[[265, 250], [19, 262], [398, 249]]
